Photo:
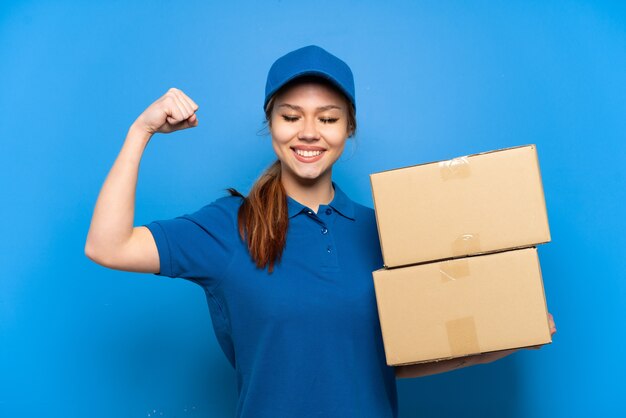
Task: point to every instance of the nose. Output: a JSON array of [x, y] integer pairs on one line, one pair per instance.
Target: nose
[[309, 131]]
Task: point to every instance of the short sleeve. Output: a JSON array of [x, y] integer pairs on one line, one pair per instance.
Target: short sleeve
[[200, 245]]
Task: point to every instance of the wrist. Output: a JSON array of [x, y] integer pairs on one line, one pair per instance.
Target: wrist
[[140, 132], [470, 360]]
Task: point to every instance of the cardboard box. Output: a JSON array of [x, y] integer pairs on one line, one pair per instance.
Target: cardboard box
[[469, 205], [461, 307]]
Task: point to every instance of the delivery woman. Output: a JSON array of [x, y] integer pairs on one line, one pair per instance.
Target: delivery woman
[[287, 269]]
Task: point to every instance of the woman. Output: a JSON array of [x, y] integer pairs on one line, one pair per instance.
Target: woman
[[286, 270]]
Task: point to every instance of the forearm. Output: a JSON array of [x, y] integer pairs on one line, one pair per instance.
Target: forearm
[[113, 216], [426, 369]]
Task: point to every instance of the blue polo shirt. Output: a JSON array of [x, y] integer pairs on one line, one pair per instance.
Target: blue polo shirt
[[305, 340]]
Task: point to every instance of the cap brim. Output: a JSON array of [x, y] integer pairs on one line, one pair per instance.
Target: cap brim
[[316, 73]]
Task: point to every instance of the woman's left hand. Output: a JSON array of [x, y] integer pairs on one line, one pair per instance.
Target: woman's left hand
[[552, 324]]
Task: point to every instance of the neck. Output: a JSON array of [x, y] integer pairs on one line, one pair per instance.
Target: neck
[[310, 193]]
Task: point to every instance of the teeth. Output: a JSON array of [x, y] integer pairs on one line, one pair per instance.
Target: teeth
[[308, 153]]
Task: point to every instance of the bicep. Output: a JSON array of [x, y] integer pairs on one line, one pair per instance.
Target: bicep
[[138, 254]]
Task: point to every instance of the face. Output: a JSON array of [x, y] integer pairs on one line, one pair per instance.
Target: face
[[309, 129]]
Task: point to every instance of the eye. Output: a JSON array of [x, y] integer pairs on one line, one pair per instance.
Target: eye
[[329, 120], [289, 118]]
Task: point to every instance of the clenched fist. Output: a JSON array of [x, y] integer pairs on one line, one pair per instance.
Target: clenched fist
[[171, 112]]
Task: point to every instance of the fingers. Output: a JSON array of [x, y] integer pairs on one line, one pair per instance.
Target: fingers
[[189, 104], [552, 324], [180, 108], [178, 112], [191, 122], [183, 105]]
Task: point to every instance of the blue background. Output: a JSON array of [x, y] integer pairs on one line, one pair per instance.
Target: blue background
[[434, 80]]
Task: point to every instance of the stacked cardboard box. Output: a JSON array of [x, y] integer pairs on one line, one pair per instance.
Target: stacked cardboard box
[[461, 273]]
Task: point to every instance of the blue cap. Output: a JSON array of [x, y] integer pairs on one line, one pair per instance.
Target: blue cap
[[310, 61]]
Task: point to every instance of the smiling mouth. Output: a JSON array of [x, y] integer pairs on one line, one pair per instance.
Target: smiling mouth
[[308, 156], [304, 153]]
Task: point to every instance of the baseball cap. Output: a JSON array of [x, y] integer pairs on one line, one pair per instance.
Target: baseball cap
[[310, 61]]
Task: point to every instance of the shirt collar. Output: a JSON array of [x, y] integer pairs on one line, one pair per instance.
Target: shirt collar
[[341, 203]]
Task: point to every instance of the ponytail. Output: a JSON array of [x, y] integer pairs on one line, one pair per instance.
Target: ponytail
[[263, 218]]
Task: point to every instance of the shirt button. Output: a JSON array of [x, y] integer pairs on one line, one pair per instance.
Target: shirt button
[[329, 211], [324, 230], [329, 249], [310, 212]]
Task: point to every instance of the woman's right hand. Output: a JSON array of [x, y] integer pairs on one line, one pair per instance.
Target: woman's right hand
[[171, 112]]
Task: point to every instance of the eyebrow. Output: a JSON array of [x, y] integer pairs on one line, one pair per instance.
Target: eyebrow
[[321, 108]]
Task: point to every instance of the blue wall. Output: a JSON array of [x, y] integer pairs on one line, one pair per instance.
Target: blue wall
[[435, 80]]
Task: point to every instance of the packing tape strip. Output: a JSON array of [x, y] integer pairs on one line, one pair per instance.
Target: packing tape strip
[[453, 269], [466, 244], [462, 336], [456, 168]]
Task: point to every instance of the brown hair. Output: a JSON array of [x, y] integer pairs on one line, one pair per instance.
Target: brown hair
[[263, 216]]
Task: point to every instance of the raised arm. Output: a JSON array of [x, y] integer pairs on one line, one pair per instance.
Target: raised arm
[[112, 240]]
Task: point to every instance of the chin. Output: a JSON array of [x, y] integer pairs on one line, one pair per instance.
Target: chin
[[309, 175]]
